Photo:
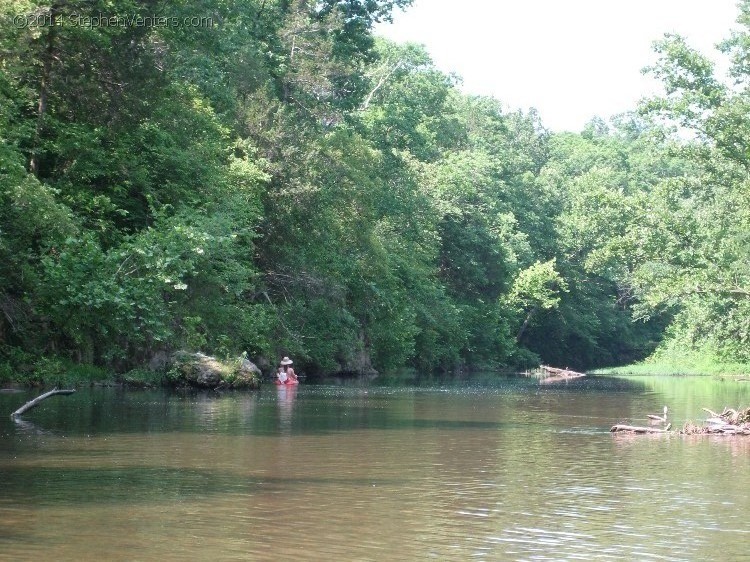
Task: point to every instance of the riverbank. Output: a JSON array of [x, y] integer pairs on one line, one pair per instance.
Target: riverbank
[[698, 368], [53, 371], [184, 370]]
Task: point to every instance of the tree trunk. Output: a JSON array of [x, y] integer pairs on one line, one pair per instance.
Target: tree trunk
[[49, 54], [525, 324]]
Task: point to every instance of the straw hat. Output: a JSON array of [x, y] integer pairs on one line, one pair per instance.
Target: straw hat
[[286, 361]]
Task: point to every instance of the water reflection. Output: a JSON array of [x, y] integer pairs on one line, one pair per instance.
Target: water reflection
[[24, 426], [286, 396]]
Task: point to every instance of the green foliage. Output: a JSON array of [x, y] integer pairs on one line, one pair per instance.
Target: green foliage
[[19, 366], [539, 286], [602, 178], [410, 104], [692, 255], [148, 292], [282, 183], [688, 79], [142, 378]]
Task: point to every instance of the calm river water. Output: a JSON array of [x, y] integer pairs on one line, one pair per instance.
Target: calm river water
[[514, 470]]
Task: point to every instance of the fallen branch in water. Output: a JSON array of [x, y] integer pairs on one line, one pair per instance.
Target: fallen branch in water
[[30, 404], [714, 414]]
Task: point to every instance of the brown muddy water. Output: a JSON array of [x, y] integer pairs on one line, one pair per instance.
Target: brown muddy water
[[508, 470]]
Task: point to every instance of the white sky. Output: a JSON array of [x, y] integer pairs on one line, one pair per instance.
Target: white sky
[[570, 59]]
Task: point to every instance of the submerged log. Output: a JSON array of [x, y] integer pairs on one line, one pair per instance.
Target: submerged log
[[727, 429], [31, 403]]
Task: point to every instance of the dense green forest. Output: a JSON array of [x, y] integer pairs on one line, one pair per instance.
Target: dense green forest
[[268, 176]]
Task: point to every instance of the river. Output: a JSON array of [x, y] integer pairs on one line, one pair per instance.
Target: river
[[508, 470]]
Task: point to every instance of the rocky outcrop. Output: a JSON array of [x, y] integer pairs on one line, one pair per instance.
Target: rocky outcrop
[[361, 364], [203, 371]]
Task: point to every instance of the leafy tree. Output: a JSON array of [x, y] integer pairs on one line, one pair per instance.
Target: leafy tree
[[536, 288], [693, 243]]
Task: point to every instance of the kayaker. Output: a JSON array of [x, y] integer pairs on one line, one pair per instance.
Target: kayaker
[[281, 375], [286, 365]]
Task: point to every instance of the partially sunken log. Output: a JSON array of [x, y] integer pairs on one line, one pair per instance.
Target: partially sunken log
[[638, 429], [31, 403]]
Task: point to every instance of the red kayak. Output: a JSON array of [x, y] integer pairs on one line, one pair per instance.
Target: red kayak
[[289, 382]]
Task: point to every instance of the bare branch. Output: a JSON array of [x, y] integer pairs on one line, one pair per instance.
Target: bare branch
[[36, 401], [381, 82]]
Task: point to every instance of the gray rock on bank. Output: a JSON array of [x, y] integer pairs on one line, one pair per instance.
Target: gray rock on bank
[[203, 371]]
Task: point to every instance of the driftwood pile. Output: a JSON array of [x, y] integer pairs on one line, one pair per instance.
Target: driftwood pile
[[554, 374], [729, 422]]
